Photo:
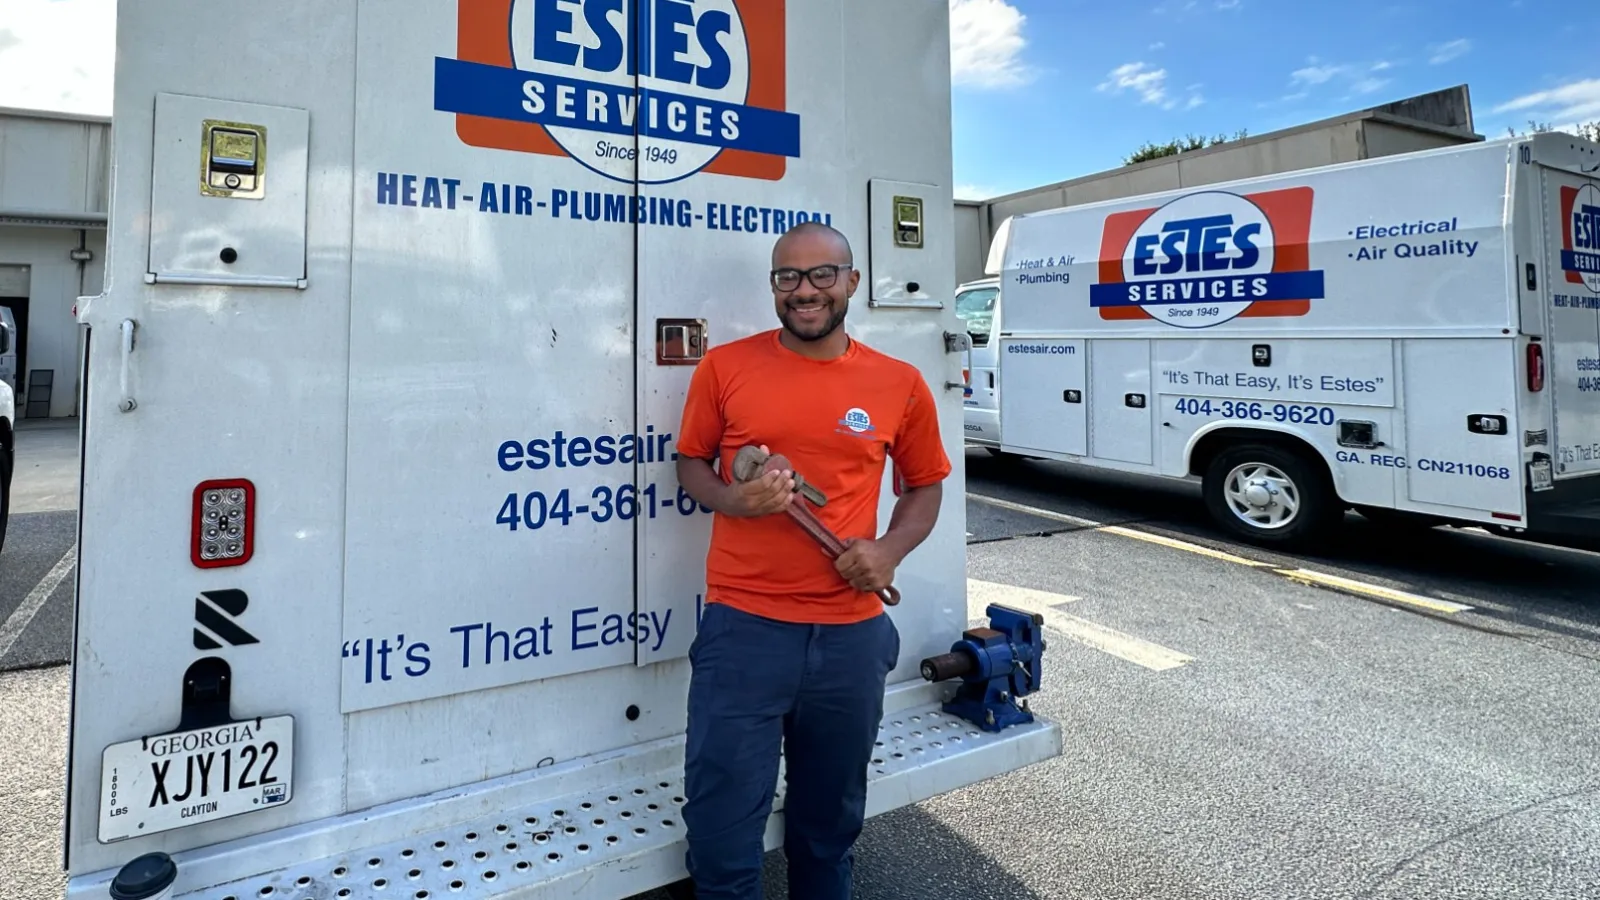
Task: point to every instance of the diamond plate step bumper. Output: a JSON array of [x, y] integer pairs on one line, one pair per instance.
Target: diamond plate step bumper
[[604, 827]]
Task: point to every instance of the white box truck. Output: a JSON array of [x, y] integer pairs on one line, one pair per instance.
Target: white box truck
[[1413, 336], [386, 583]]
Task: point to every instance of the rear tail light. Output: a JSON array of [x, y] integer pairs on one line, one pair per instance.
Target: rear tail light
[[1535, 367], [223, 532]]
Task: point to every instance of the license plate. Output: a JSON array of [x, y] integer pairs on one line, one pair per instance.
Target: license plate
[[1540, 475], [186, 778]]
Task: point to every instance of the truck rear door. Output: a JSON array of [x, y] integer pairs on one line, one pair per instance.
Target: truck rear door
[[1572, 239]]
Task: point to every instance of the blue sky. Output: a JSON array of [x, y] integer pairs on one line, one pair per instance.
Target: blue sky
[[1047, 90]]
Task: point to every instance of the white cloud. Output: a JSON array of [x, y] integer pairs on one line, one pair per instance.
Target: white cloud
[[1576, 101], [986, 44], [975, 192], [1357, 78], [1314, 74], [58, 55], [1443, 53], [1159, 45], [1150, 84], [1229, 4]]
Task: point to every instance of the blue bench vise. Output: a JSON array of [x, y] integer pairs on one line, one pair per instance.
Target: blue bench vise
[[998, 666]]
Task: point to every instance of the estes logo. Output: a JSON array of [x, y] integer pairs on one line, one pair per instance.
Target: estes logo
[[638, 90], [1580, 236], [1208, 258]]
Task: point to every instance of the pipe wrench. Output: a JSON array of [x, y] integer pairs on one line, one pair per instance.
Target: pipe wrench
[[751, 463]]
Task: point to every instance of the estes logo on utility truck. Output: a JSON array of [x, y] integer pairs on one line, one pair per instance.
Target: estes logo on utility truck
[[1208, 258], [702, 81], [1580, 239]]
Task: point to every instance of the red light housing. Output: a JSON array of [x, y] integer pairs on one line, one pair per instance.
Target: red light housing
[[223, 528], [1535, 366]]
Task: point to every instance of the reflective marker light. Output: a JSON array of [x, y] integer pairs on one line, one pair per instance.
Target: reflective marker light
[[1535, 367], [223, 519]]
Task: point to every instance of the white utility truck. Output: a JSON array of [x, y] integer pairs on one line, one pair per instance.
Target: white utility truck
[[1415, 337], [386, 584]]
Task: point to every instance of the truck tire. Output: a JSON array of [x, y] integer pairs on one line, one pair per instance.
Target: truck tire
[[1270, 495]]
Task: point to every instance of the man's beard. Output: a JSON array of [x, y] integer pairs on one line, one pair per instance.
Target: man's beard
[[836, 315]]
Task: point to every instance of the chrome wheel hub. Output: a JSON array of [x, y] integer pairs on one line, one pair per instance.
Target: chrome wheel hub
[[1261, 496]]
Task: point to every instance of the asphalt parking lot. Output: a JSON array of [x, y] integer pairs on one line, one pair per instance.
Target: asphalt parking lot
[[1401, 715], [36, 563]]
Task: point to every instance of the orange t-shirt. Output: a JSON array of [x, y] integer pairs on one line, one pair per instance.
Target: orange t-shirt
[[837, 421]]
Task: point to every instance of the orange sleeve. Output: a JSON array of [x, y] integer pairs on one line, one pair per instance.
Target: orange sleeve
[[700, 432], [919, 457]]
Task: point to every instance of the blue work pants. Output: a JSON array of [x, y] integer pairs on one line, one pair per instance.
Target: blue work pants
[[816, 692]]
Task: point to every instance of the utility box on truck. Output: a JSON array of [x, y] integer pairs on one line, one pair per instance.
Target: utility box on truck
[[1415, 336], [386, 582]]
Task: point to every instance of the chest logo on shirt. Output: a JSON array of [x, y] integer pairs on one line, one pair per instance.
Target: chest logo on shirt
[[857, 423]]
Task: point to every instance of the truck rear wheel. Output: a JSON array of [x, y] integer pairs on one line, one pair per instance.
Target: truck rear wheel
[[1270, 495]]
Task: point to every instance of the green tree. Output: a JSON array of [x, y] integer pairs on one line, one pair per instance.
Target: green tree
[[1589, 131], [1181, 145]]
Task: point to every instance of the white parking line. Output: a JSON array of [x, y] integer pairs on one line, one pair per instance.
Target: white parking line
[[982, 593], [1109, 640], [1091, 634], [18, 621]]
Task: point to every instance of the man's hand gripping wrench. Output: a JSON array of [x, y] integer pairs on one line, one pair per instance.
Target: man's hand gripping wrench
[[752, 462]]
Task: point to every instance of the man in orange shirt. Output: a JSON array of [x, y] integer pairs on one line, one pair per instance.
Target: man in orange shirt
[[793, 649]]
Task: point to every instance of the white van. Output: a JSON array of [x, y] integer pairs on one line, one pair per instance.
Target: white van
[[1415, 335], [978, 307], [9, 339]]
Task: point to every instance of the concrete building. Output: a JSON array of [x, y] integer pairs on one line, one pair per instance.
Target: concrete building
[[1437, 119], [54, 190]]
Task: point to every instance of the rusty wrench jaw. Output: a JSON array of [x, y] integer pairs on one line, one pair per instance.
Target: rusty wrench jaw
[[750, 463]]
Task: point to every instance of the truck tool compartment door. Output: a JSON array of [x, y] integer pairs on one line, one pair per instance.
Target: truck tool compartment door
[[1572, 222], [493, 439], [1044, 395], [1120, 412]]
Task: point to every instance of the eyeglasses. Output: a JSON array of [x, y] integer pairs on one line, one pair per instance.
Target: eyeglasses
[[821, 277]]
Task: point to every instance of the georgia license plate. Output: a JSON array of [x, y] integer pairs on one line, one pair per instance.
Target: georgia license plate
[[185, 778], [1540, 473]]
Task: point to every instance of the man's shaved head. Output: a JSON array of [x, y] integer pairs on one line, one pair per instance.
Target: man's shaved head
[[815, 230]]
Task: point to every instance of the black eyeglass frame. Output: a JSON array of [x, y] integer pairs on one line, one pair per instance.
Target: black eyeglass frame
[[812, 275]]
